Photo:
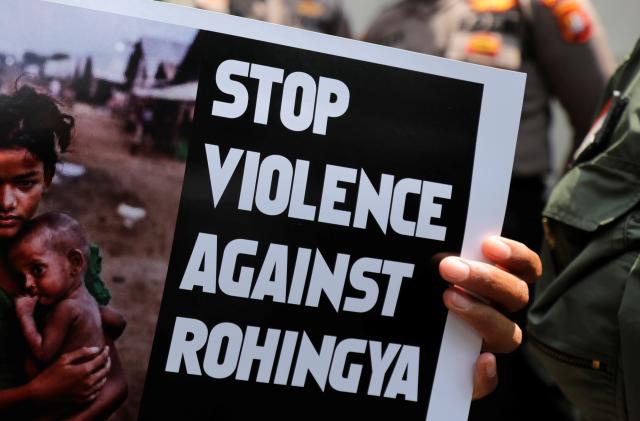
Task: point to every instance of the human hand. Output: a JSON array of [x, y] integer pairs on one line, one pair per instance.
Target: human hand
[[75, 377], [112, 395], [25, 305], [221, 6], [502, 288]]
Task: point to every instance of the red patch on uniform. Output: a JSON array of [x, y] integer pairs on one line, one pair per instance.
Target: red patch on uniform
[[486, 44], [597, 125], [311, 9], [492, 6], [605, 109], [574, 21]]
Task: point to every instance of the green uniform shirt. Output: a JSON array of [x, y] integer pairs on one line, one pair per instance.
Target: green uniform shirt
[[585, 320]]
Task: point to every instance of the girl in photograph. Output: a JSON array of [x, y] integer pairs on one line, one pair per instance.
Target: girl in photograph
[[33, 132]]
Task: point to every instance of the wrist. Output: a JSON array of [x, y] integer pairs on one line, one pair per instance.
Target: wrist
[[27, 394]]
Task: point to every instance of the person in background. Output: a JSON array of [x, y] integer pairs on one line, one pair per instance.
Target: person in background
[[324, 16], [561, 46]]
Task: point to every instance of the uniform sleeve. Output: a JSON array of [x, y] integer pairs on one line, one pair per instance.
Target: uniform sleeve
[[94, 283], [629, 315], [629, 318], [570, 47]]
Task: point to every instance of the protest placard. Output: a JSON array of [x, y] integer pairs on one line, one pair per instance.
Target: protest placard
[[324, 178]]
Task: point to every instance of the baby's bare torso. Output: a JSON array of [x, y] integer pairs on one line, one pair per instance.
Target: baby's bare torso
[[85, 327]]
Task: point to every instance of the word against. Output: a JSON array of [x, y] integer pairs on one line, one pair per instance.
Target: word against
[[385, 204], [329, 98], [229, 350], [272, 279]]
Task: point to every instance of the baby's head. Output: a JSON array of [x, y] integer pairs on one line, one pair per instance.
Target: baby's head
[[50, 255]]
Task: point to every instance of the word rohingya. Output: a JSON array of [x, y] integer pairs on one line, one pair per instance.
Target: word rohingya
[[229, 350]]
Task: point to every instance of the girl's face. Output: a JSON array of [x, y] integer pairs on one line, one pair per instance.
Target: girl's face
[[22, 183]]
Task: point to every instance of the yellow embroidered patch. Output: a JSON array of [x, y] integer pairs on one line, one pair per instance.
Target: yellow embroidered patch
[[492, 6], [485, 43], [311, 8], [574, 21]]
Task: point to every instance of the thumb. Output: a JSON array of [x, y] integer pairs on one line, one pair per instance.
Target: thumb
[[485, 378]]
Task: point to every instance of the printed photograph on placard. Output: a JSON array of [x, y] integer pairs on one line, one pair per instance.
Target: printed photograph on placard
[[129, 120]]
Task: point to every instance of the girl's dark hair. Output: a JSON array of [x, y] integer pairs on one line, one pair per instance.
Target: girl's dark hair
[[33, 121]]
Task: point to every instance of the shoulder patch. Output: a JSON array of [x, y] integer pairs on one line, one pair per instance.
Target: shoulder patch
[[311, 8], [595, 128], [574, 21], [484, 43], [492, 6]]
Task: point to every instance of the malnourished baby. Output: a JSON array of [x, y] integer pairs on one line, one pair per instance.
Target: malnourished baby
[[50, 255]]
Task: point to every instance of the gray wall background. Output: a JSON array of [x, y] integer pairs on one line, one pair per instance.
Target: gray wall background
[[620, 18]]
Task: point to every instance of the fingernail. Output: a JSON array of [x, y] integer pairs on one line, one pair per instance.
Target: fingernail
[[94, 350], [491, 370], [499, 249], [460, 301], [457, 270]]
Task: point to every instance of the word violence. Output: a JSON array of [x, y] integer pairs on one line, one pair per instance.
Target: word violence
[[386, 204]]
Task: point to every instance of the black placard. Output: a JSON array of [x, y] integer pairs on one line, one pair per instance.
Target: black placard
[[401, 123]]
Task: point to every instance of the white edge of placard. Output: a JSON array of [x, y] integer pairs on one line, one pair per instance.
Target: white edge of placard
[[495, 149]]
